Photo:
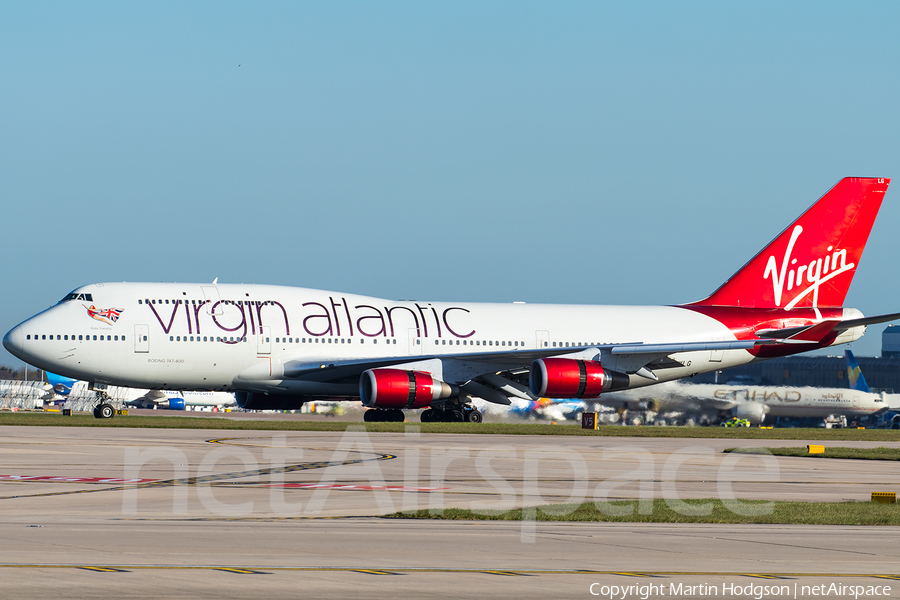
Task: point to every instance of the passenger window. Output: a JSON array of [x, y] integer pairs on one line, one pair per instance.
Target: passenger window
[[44, 337], [117, 338], [171, 338], [95, 338], [145, 338]]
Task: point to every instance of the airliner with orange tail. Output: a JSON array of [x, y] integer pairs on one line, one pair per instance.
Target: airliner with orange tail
[[278, 347]]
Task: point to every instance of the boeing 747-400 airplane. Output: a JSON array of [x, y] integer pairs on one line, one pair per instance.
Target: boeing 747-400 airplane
[[278, 347]]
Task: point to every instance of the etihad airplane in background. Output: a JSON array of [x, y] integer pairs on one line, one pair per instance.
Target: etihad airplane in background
[[278, 347], [756, 402]]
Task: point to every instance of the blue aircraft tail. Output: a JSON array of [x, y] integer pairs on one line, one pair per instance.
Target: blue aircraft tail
[[854, 374]]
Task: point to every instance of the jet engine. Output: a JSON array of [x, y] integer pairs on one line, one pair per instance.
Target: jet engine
[[572, 378], [257, 401], [176, 403], [396, 388], [755, 412]]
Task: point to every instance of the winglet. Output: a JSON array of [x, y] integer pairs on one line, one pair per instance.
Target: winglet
[[812, 262]]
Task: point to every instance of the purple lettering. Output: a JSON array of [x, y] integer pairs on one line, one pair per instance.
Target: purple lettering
[[447, 325], [391, 319], [337, 322], [171, 319], [347, 310], [359, 322], [325, 315]]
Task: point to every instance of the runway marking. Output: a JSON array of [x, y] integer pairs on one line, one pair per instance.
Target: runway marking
[[216, 477], [338, 486], [241, 571], [68, 479], [268, 570], [374, 572]]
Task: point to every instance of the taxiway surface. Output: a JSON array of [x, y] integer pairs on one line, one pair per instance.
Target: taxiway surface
[[97, 512]]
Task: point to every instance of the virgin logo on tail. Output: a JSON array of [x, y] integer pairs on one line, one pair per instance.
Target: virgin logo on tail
[[817, 272]]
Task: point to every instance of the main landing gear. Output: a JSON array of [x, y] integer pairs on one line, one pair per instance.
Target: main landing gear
[[379, 415], [463, 414]]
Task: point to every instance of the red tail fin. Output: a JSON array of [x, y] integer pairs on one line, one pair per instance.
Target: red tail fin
[[812, 262]]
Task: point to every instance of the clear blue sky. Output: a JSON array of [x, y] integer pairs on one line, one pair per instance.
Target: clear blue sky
[[571, 152]]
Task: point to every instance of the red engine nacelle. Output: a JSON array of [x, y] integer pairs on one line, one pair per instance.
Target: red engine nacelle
[[572, 378], [396, 388]]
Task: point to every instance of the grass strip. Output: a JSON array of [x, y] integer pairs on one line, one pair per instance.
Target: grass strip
[[880, 453], [763, 512], [292, 424]]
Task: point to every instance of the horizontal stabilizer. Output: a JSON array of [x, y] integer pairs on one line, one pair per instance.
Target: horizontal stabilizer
[[850, 323]]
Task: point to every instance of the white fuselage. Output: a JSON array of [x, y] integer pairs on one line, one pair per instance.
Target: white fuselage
[[777, 401], [240, 337]]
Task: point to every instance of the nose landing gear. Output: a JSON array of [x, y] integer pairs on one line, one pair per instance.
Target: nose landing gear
[[104, 410]]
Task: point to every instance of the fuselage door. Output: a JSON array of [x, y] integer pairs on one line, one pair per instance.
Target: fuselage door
[[415, 343], [542, 339], [211, 295], [264, 340], [142, 338]]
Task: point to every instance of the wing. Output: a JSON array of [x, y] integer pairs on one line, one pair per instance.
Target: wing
[[498, 376]]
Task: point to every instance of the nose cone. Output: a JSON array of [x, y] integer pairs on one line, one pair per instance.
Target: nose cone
[[14, 342]]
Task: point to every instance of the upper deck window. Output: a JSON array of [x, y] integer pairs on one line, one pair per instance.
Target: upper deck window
[[76, 296]]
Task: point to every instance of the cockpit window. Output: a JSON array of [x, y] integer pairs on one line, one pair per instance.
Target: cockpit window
[[76, 296]]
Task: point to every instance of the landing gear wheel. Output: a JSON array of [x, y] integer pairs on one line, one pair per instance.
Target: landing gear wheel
[[396, 416], [474, 416], [104, 411], [427, 415], [369, 416], [455, 416]]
